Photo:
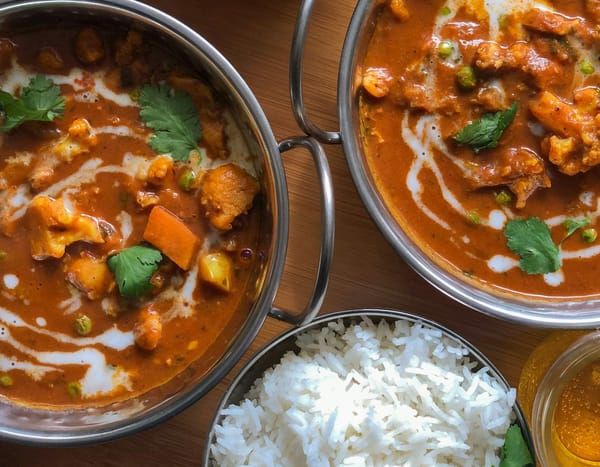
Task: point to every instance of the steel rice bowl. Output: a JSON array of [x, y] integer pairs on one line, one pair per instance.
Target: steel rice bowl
[[271, 354]]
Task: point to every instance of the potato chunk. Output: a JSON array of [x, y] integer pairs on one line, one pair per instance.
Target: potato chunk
[[54, 227], [216, 269], [227, 192], [90, 275]]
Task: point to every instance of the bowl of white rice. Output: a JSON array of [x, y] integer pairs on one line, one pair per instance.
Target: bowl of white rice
[[366, 388]]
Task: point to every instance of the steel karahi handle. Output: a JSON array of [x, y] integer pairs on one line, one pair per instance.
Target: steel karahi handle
[[296, 88], [327, 231]]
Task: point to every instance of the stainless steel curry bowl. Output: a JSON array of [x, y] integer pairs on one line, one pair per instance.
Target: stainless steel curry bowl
[[54, 426], [528, 310], [272, 353]]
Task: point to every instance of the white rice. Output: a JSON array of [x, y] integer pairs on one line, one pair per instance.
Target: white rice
[[369, 395]]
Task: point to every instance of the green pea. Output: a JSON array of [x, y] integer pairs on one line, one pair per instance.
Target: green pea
[[503, 198], [83, 325], [6, 381], [586, 67], [74, 389], [187, 179], [473, 218], [465, 76], [445, 11], [445, 49], [589, 235]]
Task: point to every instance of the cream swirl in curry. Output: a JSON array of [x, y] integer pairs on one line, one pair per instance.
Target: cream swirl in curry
[[481, 126]]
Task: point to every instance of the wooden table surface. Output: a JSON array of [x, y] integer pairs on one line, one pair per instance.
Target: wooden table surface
[[255, 36]]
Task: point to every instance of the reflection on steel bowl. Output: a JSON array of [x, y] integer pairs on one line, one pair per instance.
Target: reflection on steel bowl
[[471, 130], [378, 387], [143, 219]]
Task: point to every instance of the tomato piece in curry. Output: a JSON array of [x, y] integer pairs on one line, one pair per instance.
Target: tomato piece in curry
[[121, 264], [482, 119]]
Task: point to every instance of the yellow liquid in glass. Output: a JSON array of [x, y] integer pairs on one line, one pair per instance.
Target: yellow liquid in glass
[[577, 416]]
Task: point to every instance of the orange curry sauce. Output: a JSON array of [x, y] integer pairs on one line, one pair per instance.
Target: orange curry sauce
[[453, 202], [79, 189]]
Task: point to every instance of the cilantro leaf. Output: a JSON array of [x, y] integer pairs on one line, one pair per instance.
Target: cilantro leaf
[[133, 268], [573, 224], [486, 132], [531, 240], [40, 101], [173, 117], [515, 452]]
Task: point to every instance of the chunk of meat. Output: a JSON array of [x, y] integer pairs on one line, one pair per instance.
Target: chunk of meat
[[89, 46], [127, 48], [49, 60], [573, 143], [556, 115], [550, 22], [492, 98], [522, 56], [90, 275], [214, 136], [226, 192], [53, 227], [593, 8], [421, 92], [147, 330], [520, 169], [376, 81]]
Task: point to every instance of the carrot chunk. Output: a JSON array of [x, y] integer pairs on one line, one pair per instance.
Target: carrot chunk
[[171, 236]]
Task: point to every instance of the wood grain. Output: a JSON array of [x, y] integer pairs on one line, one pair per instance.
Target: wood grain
[[255, 36]]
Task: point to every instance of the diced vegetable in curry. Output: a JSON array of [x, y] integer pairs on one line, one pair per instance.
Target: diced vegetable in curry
[[481, 126], [128, 225]]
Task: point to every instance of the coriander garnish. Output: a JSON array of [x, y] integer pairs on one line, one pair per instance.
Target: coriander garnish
[[133, 269], [485, 133], [173, 117], [40, 101]]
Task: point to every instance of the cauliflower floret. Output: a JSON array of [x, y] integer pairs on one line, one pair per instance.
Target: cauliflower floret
[[159, 168], [376, 81], [148, 329], [54, 227], [399, 9], [80, 140]]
